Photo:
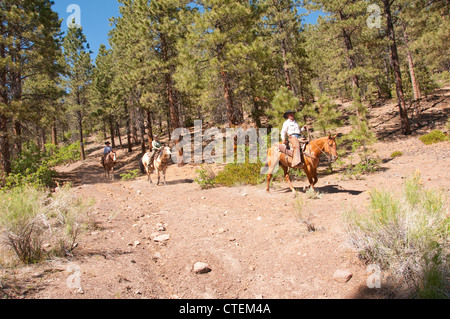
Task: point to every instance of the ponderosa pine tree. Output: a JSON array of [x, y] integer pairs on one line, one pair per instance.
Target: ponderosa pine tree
[[405, 125], [78, 78], [28, 47], [101, 91], [145, 35], [221, 38], [285, 37]]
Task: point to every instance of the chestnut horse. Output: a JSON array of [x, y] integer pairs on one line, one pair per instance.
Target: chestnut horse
[[108, 164], [324, 145]]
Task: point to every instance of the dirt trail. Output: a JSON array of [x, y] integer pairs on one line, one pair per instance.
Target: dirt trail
[[252, 241]]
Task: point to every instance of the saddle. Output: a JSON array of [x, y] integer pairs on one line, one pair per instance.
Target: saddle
[[283, 148], [287, 149]]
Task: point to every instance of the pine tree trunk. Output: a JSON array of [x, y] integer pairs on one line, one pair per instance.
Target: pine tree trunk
[[174, 116], [351, 63], [17, 128], [111, 132], [388, 77], [415, 85], [5, 157], [149, 129], [173, 110], [141, 128], [234, 116], [287, 74], [119, 135], [405, 126], [104, 128], [54, 134], [43, 138], [80, 128], [133, 126], [130, 147], [16, 92]]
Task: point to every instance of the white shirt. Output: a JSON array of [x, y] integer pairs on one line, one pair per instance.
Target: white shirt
[[290, 127]]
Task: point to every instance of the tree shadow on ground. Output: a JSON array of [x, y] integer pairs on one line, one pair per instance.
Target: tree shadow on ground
[[433, 111], [92, 172], [386, 291]]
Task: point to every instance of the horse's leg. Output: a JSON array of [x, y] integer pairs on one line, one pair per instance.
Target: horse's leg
[[306, 168], [314, 179], [269, 177], [148, 171], [288, 179], [159, 176], [164, 174], [149, 177], [112, 173], [271, 163]]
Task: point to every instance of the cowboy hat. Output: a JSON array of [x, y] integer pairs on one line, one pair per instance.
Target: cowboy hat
[[288, 112], [107, 143]]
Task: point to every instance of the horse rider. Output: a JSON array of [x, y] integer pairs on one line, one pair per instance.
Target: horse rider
[[108, 149], [156, 149], [293, 131]]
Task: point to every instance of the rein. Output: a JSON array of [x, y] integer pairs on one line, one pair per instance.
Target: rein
[[321, 151]]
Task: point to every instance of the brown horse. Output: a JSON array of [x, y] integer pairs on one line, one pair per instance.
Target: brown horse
[[325, 145], [108, 164], [160, 164]]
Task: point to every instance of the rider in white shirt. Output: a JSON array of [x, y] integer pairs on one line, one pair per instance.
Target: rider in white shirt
[[293, 130]]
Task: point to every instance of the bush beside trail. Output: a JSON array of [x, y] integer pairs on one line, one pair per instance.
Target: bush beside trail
[[407, 236], [35, 167], [37, 225]]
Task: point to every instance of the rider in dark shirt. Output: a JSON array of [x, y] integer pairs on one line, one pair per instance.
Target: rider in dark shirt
[[108, 149]]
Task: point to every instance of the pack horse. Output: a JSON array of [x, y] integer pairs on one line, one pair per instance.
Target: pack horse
[[160, 164]]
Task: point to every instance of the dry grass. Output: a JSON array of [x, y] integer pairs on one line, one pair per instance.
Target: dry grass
[[37, 225], [407, 236]]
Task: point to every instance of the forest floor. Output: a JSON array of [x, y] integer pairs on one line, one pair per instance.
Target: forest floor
[[252, 241]]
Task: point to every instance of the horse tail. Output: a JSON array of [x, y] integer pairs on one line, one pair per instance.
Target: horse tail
[[272, 162], [141, 166]]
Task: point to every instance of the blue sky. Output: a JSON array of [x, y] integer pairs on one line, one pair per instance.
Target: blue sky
[[95, 15]]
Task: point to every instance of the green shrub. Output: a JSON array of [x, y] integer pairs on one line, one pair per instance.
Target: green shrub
[[406, 236], [34, 167], [130, 175], [435, 136], [29, 168], [396, 154], [235, 174], [206, 177], [59, 155], [356, 171]]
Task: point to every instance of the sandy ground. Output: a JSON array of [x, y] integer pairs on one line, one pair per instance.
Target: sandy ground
[[252, 241]]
